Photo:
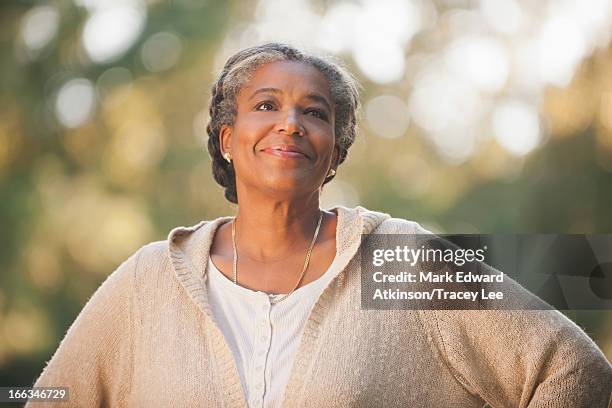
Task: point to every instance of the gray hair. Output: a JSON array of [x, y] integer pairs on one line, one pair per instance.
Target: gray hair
[[239, 69]]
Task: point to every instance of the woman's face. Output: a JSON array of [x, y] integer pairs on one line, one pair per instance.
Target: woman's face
[[282, 142]]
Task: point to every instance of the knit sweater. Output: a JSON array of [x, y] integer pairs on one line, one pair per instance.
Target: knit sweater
[[147, 338]]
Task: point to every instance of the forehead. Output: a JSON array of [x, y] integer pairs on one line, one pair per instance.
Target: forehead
[[291, 77]]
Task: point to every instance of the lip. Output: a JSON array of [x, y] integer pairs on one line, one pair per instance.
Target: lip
[[286, 151]]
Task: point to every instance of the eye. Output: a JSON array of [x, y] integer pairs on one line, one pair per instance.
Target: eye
[[317, 113], [264, 106]]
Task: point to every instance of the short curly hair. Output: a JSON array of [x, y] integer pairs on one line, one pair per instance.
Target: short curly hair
[[240, 67]]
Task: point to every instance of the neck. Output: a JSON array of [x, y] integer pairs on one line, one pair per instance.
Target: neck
[[268, 229]]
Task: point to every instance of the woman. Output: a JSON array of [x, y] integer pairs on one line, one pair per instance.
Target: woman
[[264, 309]]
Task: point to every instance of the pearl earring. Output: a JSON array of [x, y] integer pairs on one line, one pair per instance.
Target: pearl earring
[[227, 156]]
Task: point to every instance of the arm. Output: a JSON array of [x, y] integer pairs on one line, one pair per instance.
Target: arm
[[513, 358], [517, 357], [94, 358]]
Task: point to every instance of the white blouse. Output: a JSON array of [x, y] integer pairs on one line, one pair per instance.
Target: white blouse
[[262, 336]]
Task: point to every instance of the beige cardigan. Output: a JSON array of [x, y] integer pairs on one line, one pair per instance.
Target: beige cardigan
[[147, 338]]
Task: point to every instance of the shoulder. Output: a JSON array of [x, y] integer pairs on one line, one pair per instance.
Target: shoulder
[[158, 251], [138, 265], [376, 222], [400, 226], [153, 252], [183, 250]]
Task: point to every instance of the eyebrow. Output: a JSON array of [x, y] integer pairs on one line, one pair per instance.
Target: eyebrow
[[275, 91]]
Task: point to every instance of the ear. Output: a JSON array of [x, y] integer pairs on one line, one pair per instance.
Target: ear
[[225, 139]]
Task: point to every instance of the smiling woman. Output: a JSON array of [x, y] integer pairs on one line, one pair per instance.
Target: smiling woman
[[325, 91], [264, 308], [284, 102]]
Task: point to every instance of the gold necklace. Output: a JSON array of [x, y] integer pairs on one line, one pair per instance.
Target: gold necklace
[[306, 261]]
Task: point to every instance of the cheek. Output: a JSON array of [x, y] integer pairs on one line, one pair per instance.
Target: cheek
[[325, 142], [249, 129], [243, 137]]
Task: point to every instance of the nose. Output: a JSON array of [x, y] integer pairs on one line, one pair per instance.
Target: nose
[[290, 124]]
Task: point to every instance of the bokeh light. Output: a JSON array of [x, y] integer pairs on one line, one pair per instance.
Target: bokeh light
[[387, 116], [112, 27], [560, 47], [516, 127], [505, 16], [75, 102], [39, 26], [161, 51], [483, 61], [110, 80]]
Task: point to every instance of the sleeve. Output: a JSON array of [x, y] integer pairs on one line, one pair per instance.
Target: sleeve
[[94, 358], [522, 358]]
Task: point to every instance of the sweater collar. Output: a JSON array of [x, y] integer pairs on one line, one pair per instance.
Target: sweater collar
[[189, 247]]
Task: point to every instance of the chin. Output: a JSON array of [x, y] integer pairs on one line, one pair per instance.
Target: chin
[[291, 187]]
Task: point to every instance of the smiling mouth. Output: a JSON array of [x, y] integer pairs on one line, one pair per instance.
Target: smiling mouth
[[286, 152]]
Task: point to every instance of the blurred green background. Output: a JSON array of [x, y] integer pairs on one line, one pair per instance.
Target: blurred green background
[[478, 116]]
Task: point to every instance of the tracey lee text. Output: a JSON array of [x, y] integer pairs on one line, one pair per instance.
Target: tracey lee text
[[435, 294]]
